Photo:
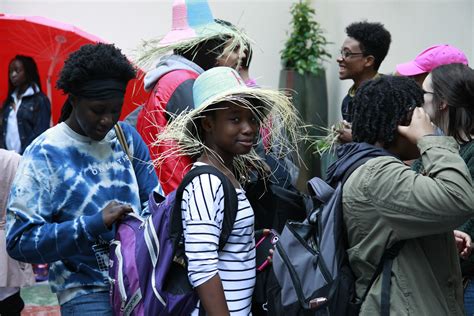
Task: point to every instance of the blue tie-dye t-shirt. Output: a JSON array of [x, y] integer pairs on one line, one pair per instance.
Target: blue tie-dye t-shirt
[[63, 183]]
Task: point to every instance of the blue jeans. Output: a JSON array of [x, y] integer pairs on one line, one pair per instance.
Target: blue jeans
[[469, 298], [94, 304]]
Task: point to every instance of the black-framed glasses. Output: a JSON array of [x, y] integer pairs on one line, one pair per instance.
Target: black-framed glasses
[[346, 54]]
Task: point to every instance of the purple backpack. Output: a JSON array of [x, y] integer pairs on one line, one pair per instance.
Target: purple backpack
[[148, 267]]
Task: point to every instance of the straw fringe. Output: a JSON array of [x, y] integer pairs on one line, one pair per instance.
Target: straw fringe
[[150, 50], [278, 117]]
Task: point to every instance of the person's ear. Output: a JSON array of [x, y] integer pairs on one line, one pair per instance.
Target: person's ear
[[369, 61], [207, 123]]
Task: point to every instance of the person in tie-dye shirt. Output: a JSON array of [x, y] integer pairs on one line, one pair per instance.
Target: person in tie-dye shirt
[[75, 181]]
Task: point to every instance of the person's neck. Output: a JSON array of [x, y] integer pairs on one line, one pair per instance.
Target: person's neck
[[225, 165], [21, 90], [363, 77]]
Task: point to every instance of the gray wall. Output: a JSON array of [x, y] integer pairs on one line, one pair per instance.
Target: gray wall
[[414, 25]]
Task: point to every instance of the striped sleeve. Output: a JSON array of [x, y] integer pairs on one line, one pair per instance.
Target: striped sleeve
[[202, 213]]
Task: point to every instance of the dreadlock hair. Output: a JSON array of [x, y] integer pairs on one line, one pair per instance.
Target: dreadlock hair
[[373, 39], [92, 62], [31, 73], [453, 84], [380, 105]]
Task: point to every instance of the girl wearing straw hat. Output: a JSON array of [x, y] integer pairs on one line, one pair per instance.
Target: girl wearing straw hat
[[198, 43], [221, 131]]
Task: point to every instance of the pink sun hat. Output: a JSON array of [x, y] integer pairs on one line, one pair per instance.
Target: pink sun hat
[[431, 58]]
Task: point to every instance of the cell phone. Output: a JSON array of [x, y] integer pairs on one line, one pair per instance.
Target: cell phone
[[263, 246]]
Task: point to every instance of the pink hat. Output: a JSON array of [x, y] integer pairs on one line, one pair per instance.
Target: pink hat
[[192, 19], [431, 58]]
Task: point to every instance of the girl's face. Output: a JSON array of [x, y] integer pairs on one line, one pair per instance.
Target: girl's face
[[94, 118], [230, 131], [231, 59], [17, 74]]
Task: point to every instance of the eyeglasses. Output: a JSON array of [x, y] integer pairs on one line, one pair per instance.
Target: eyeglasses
[[346, 54]]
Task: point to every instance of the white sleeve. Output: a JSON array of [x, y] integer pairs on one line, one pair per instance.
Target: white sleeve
[[202, 213]]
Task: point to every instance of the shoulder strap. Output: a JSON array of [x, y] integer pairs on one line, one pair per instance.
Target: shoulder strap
[[230, 201], [354, 166], [123, 141], [386, 262]]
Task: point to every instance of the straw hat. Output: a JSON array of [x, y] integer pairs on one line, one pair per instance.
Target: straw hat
[[192, 23], [223, 84]]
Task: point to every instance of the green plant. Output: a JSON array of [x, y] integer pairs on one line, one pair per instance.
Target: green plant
[[305, 49]]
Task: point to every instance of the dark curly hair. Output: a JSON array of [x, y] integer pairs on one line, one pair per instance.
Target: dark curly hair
[[454, 85], [380, 105], [373, 39], [92, 62]]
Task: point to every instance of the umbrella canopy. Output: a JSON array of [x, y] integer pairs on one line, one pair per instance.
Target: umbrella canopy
[[50, 42]]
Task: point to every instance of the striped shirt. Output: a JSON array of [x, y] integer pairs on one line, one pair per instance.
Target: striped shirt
[[203, 212]]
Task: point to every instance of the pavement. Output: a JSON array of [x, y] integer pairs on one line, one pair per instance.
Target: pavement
[[39, 300]]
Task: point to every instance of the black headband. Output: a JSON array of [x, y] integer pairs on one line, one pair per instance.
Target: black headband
[[102, 89]]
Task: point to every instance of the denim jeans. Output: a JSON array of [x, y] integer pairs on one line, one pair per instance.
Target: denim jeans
[[469, 298], [94, 304]]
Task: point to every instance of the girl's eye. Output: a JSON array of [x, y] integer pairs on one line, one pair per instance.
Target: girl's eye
[[235, 119]]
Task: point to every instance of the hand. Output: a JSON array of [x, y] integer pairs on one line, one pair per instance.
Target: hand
[[420, 126], [463, 243], [345, 132], [114, 211]]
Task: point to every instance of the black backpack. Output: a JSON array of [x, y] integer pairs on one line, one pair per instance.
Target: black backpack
[[310, 274]]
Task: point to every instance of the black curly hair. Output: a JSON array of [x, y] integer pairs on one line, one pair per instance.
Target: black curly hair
[[380, 105], [454, 85], [92, 62], [373, 39]]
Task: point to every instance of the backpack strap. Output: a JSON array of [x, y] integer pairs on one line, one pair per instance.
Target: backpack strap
[[385, 267], [230, 202], [122, 140], [386, 262]]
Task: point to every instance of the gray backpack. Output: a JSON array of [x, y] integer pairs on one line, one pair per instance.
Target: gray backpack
[[311, 273]]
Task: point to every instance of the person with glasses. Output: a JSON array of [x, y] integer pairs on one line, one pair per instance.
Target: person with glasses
[[362, 53], [448, 100]]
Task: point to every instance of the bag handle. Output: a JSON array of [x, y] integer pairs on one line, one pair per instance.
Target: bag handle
[[122, 140]]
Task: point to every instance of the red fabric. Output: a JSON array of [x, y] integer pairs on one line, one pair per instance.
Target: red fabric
[[152, 119]]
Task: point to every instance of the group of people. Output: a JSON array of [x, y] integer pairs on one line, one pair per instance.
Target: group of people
[[75, 181]]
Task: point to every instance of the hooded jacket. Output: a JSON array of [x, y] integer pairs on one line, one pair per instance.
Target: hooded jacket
[[384, 201], [171, 85]]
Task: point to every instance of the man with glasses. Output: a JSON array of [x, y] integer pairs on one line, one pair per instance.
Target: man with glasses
[[362, 52]]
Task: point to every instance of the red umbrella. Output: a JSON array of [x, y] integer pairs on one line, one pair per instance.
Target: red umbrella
[[50, 42]]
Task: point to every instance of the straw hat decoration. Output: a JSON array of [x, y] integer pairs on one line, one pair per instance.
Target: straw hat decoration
[[192, 23], [223, 84]]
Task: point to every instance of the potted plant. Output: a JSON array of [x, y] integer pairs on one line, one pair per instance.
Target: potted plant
[[303, 75]]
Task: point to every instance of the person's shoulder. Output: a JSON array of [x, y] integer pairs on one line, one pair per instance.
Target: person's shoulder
[[177, 77]]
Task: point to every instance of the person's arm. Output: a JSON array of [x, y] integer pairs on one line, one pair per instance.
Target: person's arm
[[203, 215], [32, 234], [212, 297], [415, 205]]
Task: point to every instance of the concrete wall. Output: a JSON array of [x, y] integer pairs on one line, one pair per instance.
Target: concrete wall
[[414, 25]]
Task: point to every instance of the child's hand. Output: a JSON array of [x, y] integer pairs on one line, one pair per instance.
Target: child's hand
[[114, 211], [420, 126]]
